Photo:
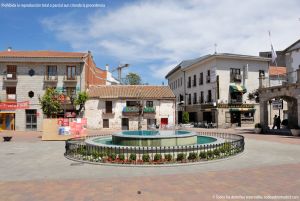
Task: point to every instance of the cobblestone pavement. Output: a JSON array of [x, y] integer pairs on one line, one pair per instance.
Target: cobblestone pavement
[[35, 170]]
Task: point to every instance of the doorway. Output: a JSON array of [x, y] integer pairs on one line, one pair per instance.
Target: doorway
[[236, 118], [31, 120], [125, 124]]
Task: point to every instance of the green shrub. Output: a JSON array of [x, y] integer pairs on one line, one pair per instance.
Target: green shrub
[[216, 152], [186, 117], [157, 157], [202, 155], [209, 154], [181, 156], [227, 147], [132, 157], [113, 156], [103, 154], [222, 150], [168, 157], [192, 156], [146, 157], [122, 157]]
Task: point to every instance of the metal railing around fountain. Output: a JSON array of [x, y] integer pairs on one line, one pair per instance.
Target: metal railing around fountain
[[77, 149]]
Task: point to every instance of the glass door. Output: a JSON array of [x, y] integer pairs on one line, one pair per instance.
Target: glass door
[[31, 120]]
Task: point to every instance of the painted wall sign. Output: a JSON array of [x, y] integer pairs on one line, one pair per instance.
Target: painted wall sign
[[14, 105]]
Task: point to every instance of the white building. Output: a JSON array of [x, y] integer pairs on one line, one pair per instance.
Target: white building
[[121, 106], [214, 88]]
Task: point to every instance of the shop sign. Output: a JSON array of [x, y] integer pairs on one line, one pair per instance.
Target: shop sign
[[277, 104], [14, 105]]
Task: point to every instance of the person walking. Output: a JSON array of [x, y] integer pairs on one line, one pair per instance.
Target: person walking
[[274, 121], [278, 122]]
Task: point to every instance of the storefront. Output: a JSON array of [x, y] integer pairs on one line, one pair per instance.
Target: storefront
[[7, 121]]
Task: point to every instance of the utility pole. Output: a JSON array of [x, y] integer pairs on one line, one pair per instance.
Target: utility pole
[[119, 69]]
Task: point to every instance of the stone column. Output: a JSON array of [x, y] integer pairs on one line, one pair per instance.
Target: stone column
[[263, 107]]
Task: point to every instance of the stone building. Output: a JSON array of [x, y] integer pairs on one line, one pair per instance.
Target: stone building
[[214, 88], [288, 90], [121, 106], [26, 75]]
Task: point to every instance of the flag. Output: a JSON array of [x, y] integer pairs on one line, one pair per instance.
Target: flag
[[274, 55]]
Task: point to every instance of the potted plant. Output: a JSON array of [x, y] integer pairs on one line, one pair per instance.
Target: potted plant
[[257, 128], [295, 130]]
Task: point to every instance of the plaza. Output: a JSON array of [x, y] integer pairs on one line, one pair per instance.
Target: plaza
[[269, 166]]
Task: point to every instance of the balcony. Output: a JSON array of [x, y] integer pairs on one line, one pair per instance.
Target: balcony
[[70, 79], [50, 78], [11, 97], [235, 77], [149, 110], [10, 78], [130, 111], [236, 101], [107, 112]]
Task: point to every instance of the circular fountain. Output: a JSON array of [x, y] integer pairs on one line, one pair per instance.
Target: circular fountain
[[162, 146]]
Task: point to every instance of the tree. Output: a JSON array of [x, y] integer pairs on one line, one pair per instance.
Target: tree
[[254, 95], [133, 79], [186, 117], [80, 100], [50, 102]]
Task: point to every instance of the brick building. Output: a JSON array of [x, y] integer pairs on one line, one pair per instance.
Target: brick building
[[27, 74]]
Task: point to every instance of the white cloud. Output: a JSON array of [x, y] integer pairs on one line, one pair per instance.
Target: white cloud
[[166, 32]]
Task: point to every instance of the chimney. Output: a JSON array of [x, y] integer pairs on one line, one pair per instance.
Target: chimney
[[107, 67], [9, 49]]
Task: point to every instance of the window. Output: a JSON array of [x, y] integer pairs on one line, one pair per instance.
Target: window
[[189, 82], [180, 97], [235, 75], [51, 71], [195, 98], [71, 72], [105, 123], [202, 97], [190, 99], [11, 93], [11, 72], [149, 103], [209, 99], [201, 79], [132, 103], [181, 80], [108, 106], [261, 73], [195, 81], [30, 94], [208, 77]]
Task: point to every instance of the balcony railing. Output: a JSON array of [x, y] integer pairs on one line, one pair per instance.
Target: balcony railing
[[149, 110], [50, 78], [130, 111], [108, 111], [10, 77], [11, 97], [70, 78], [208, 79]]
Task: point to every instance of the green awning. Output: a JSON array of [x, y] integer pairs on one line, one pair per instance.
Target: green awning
[[237, 89], [241, 110]]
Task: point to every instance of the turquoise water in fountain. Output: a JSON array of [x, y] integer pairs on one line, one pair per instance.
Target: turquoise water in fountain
[[200, 140]]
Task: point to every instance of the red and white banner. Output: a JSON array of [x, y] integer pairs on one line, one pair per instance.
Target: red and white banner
[[14, 105]]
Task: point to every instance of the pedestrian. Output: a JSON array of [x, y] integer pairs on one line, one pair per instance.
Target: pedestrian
[[274, 121], [278, 122]]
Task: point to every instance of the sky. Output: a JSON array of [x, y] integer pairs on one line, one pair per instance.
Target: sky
[[153, 36]]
